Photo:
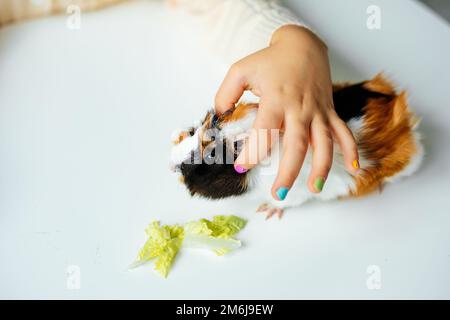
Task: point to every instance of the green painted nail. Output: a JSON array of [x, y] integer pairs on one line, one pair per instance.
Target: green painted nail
[[282, 193], [318, 183]]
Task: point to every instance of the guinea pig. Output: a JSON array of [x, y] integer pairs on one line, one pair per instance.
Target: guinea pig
[[383, 126]]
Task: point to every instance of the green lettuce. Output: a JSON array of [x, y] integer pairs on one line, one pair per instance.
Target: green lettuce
[[164, 242], [215, 235]]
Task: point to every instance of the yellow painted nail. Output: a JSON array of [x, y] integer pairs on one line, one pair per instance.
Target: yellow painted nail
[[355, 164]]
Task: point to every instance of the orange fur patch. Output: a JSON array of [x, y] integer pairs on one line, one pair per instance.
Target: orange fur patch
[[381, 85], [207, 120], [386, 139], [241, 110], [180, 137]]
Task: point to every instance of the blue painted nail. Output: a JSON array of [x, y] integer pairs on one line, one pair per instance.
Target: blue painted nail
[[282, 193]]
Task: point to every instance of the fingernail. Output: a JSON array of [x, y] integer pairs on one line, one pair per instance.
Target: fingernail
[[318, 183], [240, 169], [355, 164], [282, 193]]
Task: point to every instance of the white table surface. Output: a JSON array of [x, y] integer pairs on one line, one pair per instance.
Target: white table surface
[[85, 122]]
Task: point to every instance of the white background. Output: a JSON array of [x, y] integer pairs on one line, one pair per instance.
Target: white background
[[85, 124]]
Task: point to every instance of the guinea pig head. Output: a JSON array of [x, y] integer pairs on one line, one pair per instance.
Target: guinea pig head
[[204, 154]]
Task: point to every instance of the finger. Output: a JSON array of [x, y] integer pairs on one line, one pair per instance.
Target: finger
[[231, 89], [259, 142], [295, 145], [280, 214], [270, 214], [322, 144], [347, 142]]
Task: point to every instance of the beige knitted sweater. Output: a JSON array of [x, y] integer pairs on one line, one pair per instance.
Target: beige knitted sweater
[[234, 28]]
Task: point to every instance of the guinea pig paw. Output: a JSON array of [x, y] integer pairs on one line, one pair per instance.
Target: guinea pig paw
[[262, 207], [270, 211]]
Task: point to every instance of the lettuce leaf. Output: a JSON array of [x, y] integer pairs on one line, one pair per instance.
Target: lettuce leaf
[[164, 242], [215, 235]]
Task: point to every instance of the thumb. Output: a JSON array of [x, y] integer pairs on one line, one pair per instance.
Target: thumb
[[231, 90]]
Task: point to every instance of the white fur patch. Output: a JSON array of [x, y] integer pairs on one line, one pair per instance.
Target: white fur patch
[[182, 151], [234, 128]]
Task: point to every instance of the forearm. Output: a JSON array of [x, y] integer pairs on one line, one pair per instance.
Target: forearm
[[237, 28]]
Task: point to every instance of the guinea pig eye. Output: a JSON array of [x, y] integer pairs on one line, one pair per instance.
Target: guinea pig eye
[[191, 131], [211, 156]]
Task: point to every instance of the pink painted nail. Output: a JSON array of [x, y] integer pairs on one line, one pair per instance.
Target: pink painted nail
[[240, 169]]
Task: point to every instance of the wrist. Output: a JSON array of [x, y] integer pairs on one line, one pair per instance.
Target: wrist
[[296, 35]]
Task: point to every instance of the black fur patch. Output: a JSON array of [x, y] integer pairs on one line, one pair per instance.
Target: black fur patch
[[349, 102], [217, 180]]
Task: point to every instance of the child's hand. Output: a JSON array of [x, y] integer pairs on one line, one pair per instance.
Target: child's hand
[[292, 78]]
